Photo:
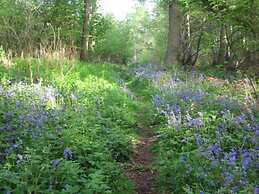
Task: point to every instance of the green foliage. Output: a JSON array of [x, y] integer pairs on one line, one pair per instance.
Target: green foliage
[[66, 133], [116, 44]]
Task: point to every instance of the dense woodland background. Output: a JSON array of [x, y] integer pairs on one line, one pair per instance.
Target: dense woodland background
[[189, 33]]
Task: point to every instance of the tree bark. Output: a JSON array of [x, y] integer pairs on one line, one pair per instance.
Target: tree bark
[[84, 39], [172, 56], [221, 51]]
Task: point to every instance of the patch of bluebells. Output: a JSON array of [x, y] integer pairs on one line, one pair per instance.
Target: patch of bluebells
[[31, 110], [195, 123], [227, 143], [171, 111], [236, 164], [125, 89], [188, 95], [159, 77]]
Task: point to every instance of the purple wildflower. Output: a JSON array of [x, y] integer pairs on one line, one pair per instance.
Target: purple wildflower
[[198, 96], [246, 160], [214, 150], [234, 189], [199, 140], [55, 163], [233, 157], [221, 127], [68, 154], [240, 119], [228, 178], [256, 190], [195, 123], [158, 101]]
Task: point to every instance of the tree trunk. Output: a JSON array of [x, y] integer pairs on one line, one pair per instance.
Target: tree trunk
[[84, 40], [221, 51], [174, 35]]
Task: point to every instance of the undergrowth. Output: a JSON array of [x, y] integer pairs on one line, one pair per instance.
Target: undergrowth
[[207, 138], [65, 128], [69, 127]]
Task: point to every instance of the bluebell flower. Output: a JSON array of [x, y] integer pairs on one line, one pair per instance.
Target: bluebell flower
[[243, 181], [195, 123], [256, 129], [256, 190], [234, 189], [248, 127], [224, 112], [214, 150], [202, 77], [240, 119], [9, 94], [185, 95], [198, 96], [158, 101], [233, 157], [199, 140], [246, 160], [68, 154], [221, 127], [18, 104], [228, 178], [55, 163], [255, 138]]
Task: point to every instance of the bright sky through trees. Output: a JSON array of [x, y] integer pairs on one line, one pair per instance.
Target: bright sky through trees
[[120, 8]]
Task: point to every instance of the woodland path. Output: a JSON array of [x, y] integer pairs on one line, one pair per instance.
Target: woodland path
[[141, 171]]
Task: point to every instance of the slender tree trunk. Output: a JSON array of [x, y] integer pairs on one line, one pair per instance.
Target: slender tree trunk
[[222, 50], [84, 39], [174, 35]]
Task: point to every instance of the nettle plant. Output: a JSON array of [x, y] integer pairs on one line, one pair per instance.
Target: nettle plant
[[209, 143]]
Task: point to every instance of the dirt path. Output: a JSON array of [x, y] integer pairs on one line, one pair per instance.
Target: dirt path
[[141, 172]]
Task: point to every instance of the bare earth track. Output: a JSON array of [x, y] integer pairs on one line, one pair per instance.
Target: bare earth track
[[141, 172]]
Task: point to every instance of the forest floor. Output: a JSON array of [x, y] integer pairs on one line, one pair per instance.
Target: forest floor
[[115, 129]]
